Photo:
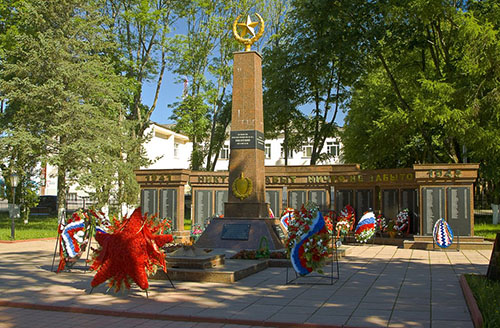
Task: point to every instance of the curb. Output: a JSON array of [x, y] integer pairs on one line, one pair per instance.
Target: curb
[[157, 316], [25, 240], [477, 318]]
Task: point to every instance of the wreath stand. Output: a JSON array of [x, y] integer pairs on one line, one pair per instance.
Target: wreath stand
[[57, 247], [312, 278]]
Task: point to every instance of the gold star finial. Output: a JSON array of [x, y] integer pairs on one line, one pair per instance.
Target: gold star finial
[[248, 28]]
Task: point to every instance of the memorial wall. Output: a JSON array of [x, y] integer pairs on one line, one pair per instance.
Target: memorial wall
[[429, 192]]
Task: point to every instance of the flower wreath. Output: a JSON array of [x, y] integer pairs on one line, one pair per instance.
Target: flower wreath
[[380, 224], [308, 241], [287, 216], [130, 251], [74, 235], [365, 228], [402, 222], [345, 221]]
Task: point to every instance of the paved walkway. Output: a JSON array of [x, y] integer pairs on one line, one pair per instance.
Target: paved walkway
[[378, 286]]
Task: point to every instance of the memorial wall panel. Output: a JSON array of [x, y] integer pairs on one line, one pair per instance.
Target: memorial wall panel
[[168, 205], [364, 202], [433, 208], [409, 200], [220, 199], [202, 206], [296, 198], [390, 203], [343, 198], [273, 199], [459, 209], [318, 197], [149, 201]]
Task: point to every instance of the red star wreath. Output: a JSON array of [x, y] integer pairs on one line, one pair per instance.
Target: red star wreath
[[130, 252]]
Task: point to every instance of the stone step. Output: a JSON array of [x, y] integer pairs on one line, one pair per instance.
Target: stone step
[[229, 272], [472, 239], [424, 244]]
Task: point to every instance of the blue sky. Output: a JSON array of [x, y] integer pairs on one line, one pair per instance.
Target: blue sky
[[170, 91]]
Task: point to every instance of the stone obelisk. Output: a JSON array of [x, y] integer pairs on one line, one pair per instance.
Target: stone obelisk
[[246, 221], [247, 196]]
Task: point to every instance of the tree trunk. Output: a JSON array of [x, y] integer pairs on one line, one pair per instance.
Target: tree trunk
[[61, 193]]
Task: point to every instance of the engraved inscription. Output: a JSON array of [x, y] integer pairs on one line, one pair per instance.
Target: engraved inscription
[[235, 231]]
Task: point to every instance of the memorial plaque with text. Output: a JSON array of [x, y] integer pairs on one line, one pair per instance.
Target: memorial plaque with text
[[168, 205], [297, 198], [220, 199], [363, 202], [459, 210], [278, 230], [409, 200], [344, 198], [235, 231], [202, 206], [318, 197], [273, 199], [390, 203], [251, 139], [149, 201], [433, 202]]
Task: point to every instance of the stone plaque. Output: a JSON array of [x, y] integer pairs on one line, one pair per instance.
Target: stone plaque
[[363, 202], [278, 230], [251, 139], [409, 200], [344, 197], [220, 199], [390, 203], [318, 197], [202, 205], [149, 201], [235, 231], [296, 199], [168, 205], [433, 202], [273, 199], [459, 210], [494, 266]]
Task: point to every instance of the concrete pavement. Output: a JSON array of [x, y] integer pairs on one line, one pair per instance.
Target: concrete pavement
[[379, 286]]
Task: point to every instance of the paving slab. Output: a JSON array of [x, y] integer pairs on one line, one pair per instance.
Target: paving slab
[[379, 285]]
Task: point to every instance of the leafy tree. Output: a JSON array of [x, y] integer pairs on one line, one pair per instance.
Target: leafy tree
[[61, 88], [429, 93], [318, 63], [204, 57]]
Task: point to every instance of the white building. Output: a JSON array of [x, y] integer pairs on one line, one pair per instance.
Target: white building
[[275, 154], [170, 150]]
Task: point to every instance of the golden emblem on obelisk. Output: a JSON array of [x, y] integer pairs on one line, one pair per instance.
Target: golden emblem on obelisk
[[248, 28]]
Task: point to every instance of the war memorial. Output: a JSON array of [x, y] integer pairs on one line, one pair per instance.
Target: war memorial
[[380, 285], [244, 193]]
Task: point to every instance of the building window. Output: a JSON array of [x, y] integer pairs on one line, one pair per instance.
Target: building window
[[224, 152], [176, 150], [282, 154], [307, 151], [268, 151], [332, 147]]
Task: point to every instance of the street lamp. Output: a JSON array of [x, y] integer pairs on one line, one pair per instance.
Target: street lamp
[[14, 180]]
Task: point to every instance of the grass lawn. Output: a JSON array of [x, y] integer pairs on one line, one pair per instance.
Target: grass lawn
[[37, 227], [487, 295], [484, 227]]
